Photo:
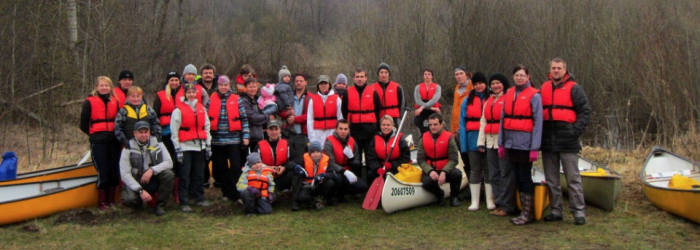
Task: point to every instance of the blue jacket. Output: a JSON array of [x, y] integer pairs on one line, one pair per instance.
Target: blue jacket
[[467, 140]]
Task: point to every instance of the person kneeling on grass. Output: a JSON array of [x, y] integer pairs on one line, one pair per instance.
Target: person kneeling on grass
[[318, 186], [256, 187], [146, 168]]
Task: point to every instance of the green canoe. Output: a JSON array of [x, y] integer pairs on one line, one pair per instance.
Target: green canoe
[[600, 188]]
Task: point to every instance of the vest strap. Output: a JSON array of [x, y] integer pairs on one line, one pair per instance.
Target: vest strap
[[557, 107], [519, 117]]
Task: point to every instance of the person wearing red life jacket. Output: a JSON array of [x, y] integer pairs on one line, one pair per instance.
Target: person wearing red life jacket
[[427, 96], [278, 158], [126, 80], [566, 115], [97, 121], [380, 150], [190, 125], [470, 115], [189, 75], [500, 172], [256, 187], [519, 137], [438, 158], [323, 112], [164, 106], [133, 111], [390, 93], [342, 152]]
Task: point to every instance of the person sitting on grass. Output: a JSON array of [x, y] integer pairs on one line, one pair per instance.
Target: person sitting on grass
[[145, 169], [256, 187]]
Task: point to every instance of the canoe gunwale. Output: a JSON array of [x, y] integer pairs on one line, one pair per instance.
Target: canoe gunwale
[[49, 171], [49, 193], [658, 149]]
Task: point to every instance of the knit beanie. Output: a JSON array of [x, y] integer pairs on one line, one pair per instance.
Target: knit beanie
[[341, 78], [188, 87], [126, 74], [189, 69], [224, 79], [253, 158], [315, 146], [383, 66], [284, 72], [172, 74], [501, 78], [479, 77]]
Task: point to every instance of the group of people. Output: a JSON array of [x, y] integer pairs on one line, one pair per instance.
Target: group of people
[[263, 140]]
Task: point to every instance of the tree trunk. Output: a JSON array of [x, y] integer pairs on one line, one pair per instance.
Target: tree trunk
[[73, 29]]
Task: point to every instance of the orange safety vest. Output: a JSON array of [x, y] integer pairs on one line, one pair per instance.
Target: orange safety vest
[[192, 126], [181, 93], [361, 108], [340, 158], [436, 150], [427, 93], [102, 116], [234, 116], [389, 99], [492, 113], [259, 181], [325, 114], [309, 167], [474, 113], [382, 147], [166, 108], [556, 102], [121, 97], [518, 113]]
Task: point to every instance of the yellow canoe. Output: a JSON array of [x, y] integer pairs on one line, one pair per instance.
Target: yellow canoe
[[65, 172], [25, 201], [660, 166], [541, 198]]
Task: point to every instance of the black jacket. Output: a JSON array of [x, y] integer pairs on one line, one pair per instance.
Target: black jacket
[[374, 162], [558, 136]]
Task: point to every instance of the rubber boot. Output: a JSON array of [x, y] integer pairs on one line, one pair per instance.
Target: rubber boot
[[176, 190], [102, 198], [110, 196], [476, 192], [527, 214], [490, 204]]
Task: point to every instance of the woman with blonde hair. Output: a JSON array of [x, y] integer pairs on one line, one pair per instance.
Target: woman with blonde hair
[[97, 121], [164, 106], [380, 148]]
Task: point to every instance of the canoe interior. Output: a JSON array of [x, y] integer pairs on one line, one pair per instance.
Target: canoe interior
[[23, 191], [661, 161]]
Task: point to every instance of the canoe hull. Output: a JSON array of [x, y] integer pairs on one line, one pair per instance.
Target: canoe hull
[[599, 191], [398, 195], [65, 172], [682, 203]]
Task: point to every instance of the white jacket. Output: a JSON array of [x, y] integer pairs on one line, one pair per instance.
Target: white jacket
[[320, 134]]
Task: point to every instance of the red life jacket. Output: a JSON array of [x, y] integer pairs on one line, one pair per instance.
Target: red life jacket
[[166, 108], [474, 113], [361, 108], [102, 116], [309, 167], [556, 102], [518, 113], [192, 126], [389, 99], [492, 113], [436, 151], [121, 97], [234, 116], [340, 158], [325, 114], [382, 147], [427, 93], [259, 181], [181, 93], [276, 158]]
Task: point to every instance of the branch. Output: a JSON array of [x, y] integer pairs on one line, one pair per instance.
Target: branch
[[71, 102], [40, 92], [29, 113]]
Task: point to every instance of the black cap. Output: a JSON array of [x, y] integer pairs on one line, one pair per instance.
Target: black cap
[[172, 74], [126, 74], [479, 77]]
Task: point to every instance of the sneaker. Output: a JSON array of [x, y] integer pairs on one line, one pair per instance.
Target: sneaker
[[160, 211], [554, 217], [203, 204], [580, 221], [186, 209]]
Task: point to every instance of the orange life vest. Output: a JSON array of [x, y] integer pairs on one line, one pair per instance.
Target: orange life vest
[[382, 147], [259, 181], [325, 114], [102, 116], [518, 113], [166, 108], [492, 113], [427, 93], [474, 113], [309, 167], [181, 93], [234, 116], [556, 102], [361, 108], [436, 151], [192, 126], [340, 158], [121, 97], [389, 99]]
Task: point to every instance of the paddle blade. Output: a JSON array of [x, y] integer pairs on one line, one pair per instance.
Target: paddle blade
[[374, 195], [85, 158]]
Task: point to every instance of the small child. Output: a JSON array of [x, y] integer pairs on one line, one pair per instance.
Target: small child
[[285, 92], [267, 100], [257, 187]]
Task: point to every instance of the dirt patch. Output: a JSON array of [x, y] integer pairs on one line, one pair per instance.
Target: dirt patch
[[31, 228], [85, 217], [219, 210]]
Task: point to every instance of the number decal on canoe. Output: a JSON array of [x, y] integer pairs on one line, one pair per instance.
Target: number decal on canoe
[[398, 191]]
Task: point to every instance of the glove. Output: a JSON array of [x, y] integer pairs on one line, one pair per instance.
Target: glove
[[253, 191], [387, 165], [348, 152], [180, 155], [300, 171], [352, 178], [381, 171], [533, 155], [208, 152], [501, 152], [269, 199], [319, 179]]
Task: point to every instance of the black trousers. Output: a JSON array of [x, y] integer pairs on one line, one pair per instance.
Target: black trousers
[[105, 158], [226, 168], [325, 189], [454, 177], [253, 204], [363, 149], [522, 168]]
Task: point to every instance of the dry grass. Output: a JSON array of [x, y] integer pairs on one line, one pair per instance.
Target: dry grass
[[38, 150]]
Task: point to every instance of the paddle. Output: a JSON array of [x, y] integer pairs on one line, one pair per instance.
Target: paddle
[[374, 194], [85, 158]]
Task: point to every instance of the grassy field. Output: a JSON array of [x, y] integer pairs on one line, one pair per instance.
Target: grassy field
[[634, 224]]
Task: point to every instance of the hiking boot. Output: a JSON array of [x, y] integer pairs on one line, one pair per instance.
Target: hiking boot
[[580, 221], [203, 204], [160, 211], [186, 209], [295, 206], [454, 202], [553, 217]]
